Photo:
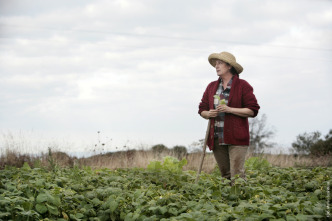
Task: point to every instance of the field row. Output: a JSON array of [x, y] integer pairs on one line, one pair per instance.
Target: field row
[[164, 192]]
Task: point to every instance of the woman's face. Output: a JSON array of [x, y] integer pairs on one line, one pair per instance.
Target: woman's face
[[222, 68]]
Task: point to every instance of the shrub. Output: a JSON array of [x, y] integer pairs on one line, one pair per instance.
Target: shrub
[[310, 143], [257, 163], [159, 148], [180, 151], [170, 164], [322, 147], [305, 141]]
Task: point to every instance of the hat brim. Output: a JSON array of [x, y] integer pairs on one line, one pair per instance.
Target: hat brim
[[215, 56]]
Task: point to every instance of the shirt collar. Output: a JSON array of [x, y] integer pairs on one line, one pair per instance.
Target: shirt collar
[[229, 84]]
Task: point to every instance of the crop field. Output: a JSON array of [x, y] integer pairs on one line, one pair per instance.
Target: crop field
[[163, 191]]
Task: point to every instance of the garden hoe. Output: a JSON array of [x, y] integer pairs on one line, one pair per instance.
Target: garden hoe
[[204, 150]]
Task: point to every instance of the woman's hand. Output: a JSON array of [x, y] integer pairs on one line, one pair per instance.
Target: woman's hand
[[209, 114], [224, 108], [241, 112]]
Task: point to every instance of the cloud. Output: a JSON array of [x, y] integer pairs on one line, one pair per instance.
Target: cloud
[[137, 70]]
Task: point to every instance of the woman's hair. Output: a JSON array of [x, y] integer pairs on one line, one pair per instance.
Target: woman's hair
[[232, 70]]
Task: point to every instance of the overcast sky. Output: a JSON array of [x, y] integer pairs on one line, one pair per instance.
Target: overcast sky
[[136, 70]]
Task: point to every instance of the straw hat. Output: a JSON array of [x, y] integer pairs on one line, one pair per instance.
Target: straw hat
[[226, 57]]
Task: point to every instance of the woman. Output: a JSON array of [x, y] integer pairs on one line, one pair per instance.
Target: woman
[[229, 130]]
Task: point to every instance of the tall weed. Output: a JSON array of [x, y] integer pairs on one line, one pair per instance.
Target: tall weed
[[257, 163]]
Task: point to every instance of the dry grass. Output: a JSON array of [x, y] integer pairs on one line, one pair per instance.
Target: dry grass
[[12, 158], [141, 159], [121, 159], [15, 159], [284, 160]]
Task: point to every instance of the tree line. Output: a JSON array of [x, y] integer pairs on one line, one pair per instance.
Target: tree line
[[308, 143]]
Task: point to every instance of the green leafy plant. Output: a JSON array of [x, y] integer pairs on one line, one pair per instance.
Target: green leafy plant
[[220, 101], [164, 192], [170, 164], [51, 160], [45, 202], [257, 163]]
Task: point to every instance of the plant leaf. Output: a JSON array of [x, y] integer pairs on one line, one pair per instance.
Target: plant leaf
[[42, 197], [41, 208]]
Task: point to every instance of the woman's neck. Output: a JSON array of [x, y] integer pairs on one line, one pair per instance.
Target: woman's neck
[[226, 78]]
